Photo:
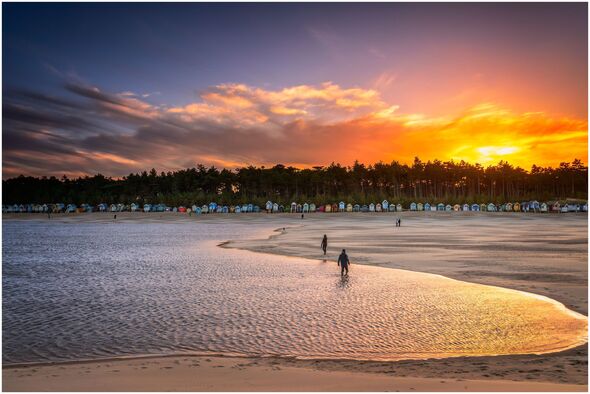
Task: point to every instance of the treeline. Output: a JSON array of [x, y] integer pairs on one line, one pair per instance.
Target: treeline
[[434, 181]]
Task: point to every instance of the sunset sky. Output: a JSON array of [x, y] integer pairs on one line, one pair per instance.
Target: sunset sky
[[120, 88]]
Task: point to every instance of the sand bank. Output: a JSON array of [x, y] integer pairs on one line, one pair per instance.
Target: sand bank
[[184, 373]]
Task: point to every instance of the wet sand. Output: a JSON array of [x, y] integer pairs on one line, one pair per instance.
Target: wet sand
[[542, 254]]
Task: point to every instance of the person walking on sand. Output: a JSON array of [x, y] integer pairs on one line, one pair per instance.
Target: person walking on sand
[[343, 262], [324, 244]]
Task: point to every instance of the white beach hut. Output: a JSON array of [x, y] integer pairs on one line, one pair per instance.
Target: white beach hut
[[420, 206], [398, 208], [305, 207], [268, 206], [413, 207], [371, 207], [312, 207], [491, 207]]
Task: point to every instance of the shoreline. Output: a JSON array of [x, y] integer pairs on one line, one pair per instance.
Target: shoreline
[[564, 370]]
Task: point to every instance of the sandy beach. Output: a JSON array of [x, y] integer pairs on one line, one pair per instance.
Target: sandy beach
[[540, 254]]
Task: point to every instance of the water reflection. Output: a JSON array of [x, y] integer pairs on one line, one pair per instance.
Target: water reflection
[[97, 290]]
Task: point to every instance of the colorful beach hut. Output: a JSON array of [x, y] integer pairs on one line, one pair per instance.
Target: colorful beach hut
[[371, 207], [365, 208], [516, 207], [341, 206], [328, 208], [413, 207], [475, 207], [491, 207], [385, 205], [420, 206], [305, 207], [356, 208], [378, 207], [391, 207], [456, 207], [398, 208], [312, 207], [349, 207], [440, 207], [427, 207]]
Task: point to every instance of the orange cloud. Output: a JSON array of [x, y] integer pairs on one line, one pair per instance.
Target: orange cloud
[[304, 125]]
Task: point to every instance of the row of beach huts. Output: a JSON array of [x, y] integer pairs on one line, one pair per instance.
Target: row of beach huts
[[270, 207]]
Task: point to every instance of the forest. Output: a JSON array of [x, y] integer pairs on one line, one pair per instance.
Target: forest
[[432, 181]]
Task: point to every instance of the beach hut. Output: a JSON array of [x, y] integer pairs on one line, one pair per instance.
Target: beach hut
[[305, 207], [524, 206], [516, 207], [281, 208], [225, 209], [205, 209], [349, 207], [565, 208], [275, 207], [371, 207], [212, 207], [356, 208], [174, 209], [321, 208], [196, 210], [391, 207], [365, 208], [420, 206], [508, 207], [440, 207], [293, 207], [219, 209], [456, 207], [398, 208], [256, 209], [341, 206], [385, 205], [543, 207], [268, 207], [232, 209], [182, 209], [448, 208], [466, 207], [134, 207], [475, 207], [378, 207], [585, 207], [491, 208], [427, 206], [312, 207], [238, 209], [555, 206], [335, 207], [413, 207], [113, 208], [250, 208]]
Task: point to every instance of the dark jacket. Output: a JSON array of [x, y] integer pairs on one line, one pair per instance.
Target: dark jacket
[[343, 259]]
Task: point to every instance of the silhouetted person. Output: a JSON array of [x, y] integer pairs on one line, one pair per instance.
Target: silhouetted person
[[302, 216], [343, 262], [324, 244], [115, 217]]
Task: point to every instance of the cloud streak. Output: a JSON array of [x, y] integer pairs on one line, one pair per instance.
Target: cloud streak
[[89, 130]]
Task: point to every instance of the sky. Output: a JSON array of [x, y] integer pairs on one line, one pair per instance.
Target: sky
[[115, 88]]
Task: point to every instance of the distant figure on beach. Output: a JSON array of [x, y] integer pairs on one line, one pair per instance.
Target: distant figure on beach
[[324, 244], [115, 217], [48, 215], [302, 216], [343, 262], [398, 222]]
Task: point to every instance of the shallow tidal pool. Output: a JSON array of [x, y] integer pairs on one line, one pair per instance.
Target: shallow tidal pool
[[93, 290]]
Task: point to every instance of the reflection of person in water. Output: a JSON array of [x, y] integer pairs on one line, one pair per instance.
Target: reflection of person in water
[[325, 244], [343, 262]]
